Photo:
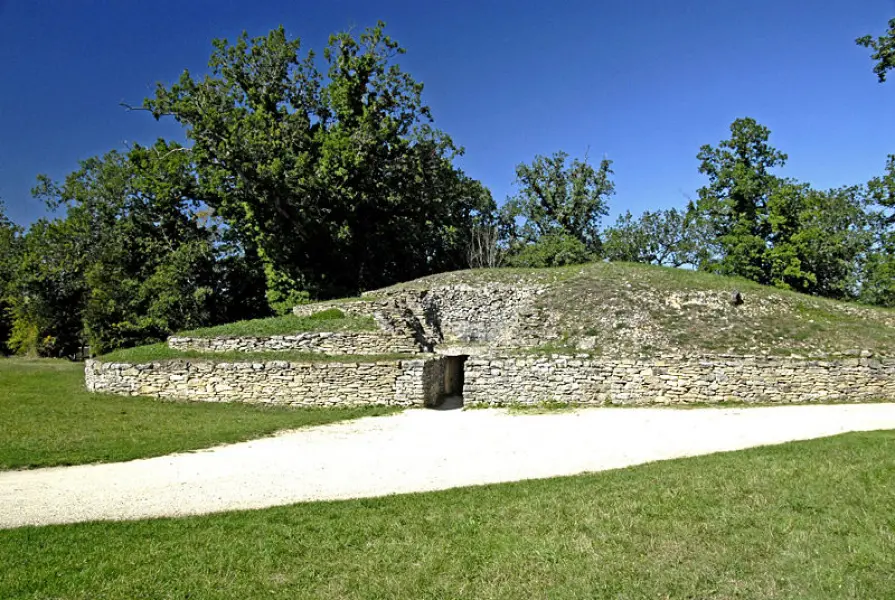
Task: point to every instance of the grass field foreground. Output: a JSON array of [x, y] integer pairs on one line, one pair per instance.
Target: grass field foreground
[[807, 520], [49, 419]]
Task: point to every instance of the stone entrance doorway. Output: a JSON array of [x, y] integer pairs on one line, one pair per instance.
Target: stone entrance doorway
[[452, 390]]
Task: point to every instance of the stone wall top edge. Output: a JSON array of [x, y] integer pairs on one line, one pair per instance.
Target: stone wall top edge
[[678, 357], [97, 362], [288, 336], [423, 356], [521, 286]]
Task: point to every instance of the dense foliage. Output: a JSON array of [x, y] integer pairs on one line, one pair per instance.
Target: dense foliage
[[550, 250], [298, 184], [670, 238], [556, 199], [883, 50], [310, 178], [878, 277], [9, 248], [772, 230], [337, 177], [133, 259]]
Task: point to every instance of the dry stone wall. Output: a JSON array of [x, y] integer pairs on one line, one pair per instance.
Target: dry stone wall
[[355, 308], [501, 380], [492, 314], [393, 317], [339, 343], [398, 383], [586, 380], [484, 315]]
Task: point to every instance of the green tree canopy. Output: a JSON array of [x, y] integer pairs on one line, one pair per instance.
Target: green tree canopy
[[551, 250], [878, 279], [817, 240], [9, 250], [133, 258], [735, 203], [338, 177], [558, 199], [665, 237], [883, 50], [47, 291], [773, 230]]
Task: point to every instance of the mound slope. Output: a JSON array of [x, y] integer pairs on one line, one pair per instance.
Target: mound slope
[[618, 309]]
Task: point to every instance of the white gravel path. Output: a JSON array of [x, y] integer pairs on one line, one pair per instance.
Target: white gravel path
[[417, 450]]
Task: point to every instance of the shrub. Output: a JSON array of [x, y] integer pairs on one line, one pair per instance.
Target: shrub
[[551, 250]]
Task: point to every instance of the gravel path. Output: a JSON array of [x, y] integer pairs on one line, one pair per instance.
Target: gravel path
[[417, 450]]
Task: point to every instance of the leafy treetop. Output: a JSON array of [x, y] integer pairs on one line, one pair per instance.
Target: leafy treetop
[[337, 177], [557, 198], [883, 50]]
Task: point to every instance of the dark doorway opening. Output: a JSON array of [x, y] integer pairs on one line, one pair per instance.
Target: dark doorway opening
[[452, 387]]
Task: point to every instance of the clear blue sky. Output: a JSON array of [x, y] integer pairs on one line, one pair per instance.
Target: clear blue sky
[[645, 82]]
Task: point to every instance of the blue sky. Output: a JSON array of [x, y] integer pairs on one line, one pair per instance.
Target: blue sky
[[644, 82]]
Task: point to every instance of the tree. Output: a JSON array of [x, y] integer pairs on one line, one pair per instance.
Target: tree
[[338, 179], [773, 230], [883, 50], [878, 277], [551, 250], [735, 203], [878, 281], [47, 290], [817, 239], [556, 199], [9, 249], [152, 273], [134, 258], [666, 237]]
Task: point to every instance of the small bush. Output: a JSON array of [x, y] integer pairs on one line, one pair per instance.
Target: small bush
[[552, 250]]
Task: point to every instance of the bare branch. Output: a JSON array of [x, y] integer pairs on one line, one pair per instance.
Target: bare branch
[[129, 108], [172, 151], [484, 251]]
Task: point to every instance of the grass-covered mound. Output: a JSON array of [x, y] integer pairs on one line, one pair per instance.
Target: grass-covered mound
[[330, 320], [47, 418], [808, 520], [621, 309], [626, 310]]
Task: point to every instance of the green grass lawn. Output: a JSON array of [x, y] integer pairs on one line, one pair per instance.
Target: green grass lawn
[[808, 520], [47, 418], [330, 320]]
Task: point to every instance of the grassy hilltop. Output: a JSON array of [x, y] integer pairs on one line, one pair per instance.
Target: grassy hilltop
[[622, 309]]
